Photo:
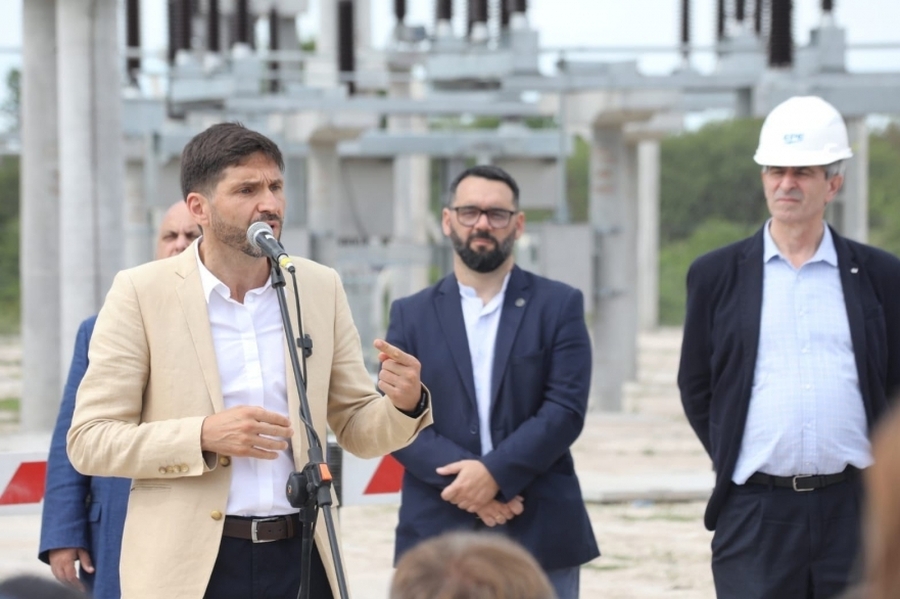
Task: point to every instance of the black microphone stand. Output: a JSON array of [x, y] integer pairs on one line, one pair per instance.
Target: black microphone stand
[[309, 489]]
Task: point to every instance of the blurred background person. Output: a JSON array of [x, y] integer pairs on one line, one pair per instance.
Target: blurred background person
[[882, 520], [466, 565], [28, 586]]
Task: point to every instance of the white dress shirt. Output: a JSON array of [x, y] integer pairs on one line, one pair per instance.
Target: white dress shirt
[[806, 412], [482, 321], [249, 343]]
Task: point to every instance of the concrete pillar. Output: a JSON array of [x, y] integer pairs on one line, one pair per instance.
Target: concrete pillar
[[648, 234], [39, 210], [613, 213], [412, 181], [411, 199], [324, 171], [322, 69], [139, 237], [854, 197], [363, 27], [326, 36], [91, 158], [561, 213], [297, 186]]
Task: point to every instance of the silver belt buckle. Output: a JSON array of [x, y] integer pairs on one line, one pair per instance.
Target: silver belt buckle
[[254, 530], [794, 482]]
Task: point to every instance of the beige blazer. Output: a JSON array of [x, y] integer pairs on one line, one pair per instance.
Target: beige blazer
[[153, 378]]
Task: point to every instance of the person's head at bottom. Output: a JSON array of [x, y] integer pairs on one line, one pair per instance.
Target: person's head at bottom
[[460, 565], [882, 526], [27, 586]]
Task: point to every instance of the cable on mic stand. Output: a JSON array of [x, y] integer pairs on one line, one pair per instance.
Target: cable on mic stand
[[310, 489]]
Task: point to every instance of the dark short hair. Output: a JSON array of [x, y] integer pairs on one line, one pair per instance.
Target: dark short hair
[[489, 172], [210, 152]]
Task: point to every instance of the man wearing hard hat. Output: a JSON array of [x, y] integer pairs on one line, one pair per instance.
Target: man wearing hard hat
[[791, 353]]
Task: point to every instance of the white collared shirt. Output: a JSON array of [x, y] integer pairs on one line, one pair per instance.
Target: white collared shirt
[[806, 411], [249, 343], [481, 331]]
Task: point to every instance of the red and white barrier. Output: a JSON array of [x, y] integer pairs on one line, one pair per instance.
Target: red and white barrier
[[366, 482], [22, 476]]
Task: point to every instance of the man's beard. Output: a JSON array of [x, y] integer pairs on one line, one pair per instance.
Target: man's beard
[[483, 261], [235, 237]]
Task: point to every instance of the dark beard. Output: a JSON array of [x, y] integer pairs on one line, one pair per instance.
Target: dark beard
[[485, 261], [235, 237]]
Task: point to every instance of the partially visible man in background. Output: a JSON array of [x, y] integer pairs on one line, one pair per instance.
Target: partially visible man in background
[[83, 516], [791, 350]]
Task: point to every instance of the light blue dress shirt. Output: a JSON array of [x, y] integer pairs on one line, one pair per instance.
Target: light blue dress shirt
[[806, 412], [482, 321]]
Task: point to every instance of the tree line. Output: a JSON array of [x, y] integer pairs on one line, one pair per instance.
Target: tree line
[[711, 195]]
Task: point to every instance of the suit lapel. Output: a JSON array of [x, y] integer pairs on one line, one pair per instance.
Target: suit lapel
[[750, 285], [193, 304], [448, 306], [848, 267], [518, 293]]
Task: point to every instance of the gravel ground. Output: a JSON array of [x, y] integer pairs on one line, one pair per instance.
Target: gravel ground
[[649, 550]]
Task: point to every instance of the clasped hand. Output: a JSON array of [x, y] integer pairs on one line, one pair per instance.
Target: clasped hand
[[474, 490]]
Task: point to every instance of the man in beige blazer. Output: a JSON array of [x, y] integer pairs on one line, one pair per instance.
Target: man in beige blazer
[[182, 397]]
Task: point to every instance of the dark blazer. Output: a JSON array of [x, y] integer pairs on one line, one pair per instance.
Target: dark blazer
[[721, 338], [540, 387], [82, 511]]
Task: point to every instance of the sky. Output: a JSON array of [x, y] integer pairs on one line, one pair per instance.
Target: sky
[[573, 23]]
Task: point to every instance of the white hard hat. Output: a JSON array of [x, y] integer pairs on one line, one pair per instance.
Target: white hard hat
[[803, 131]]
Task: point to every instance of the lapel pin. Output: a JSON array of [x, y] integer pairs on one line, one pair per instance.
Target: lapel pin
[[520, 302], [854, 270]]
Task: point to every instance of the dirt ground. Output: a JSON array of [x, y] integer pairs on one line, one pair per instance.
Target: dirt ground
[[648, 550]]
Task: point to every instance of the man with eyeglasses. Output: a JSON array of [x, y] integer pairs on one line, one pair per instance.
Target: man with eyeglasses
[[507, 358]]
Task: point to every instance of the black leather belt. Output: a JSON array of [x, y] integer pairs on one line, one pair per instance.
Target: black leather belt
[[262, 530], [801, 482]]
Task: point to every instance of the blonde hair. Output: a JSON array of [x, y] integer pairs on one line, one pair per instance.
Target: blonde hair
[[469, 566]]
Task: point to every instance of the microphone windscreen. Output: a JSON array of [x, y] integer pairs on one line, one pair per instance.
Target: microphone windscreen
[[255, 230]]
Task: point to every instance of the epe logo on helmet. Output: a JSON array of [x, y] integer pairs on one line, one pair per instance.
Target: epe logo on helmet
[[793, 138]]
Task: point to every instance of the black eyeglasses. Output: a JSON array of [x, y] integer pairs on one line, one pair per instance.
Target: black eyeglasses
[[498, 218]]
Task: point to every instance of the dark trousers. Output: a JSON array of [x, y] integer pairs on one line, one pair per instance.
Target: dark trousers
[[776, 543], [248, 570]]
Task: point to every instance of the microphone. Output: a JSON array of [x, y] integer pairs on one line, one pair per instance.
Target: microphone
[[261, 237]]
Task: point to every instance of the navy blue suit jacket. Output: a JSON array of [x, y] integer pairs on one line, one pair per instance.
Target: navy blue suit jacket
[[82, 511], [721, 338], [540, 388]]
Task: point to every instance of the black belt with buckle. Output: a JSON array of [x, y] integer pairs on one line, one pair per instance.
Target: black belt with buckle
[[262, 530], [801, 482]]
